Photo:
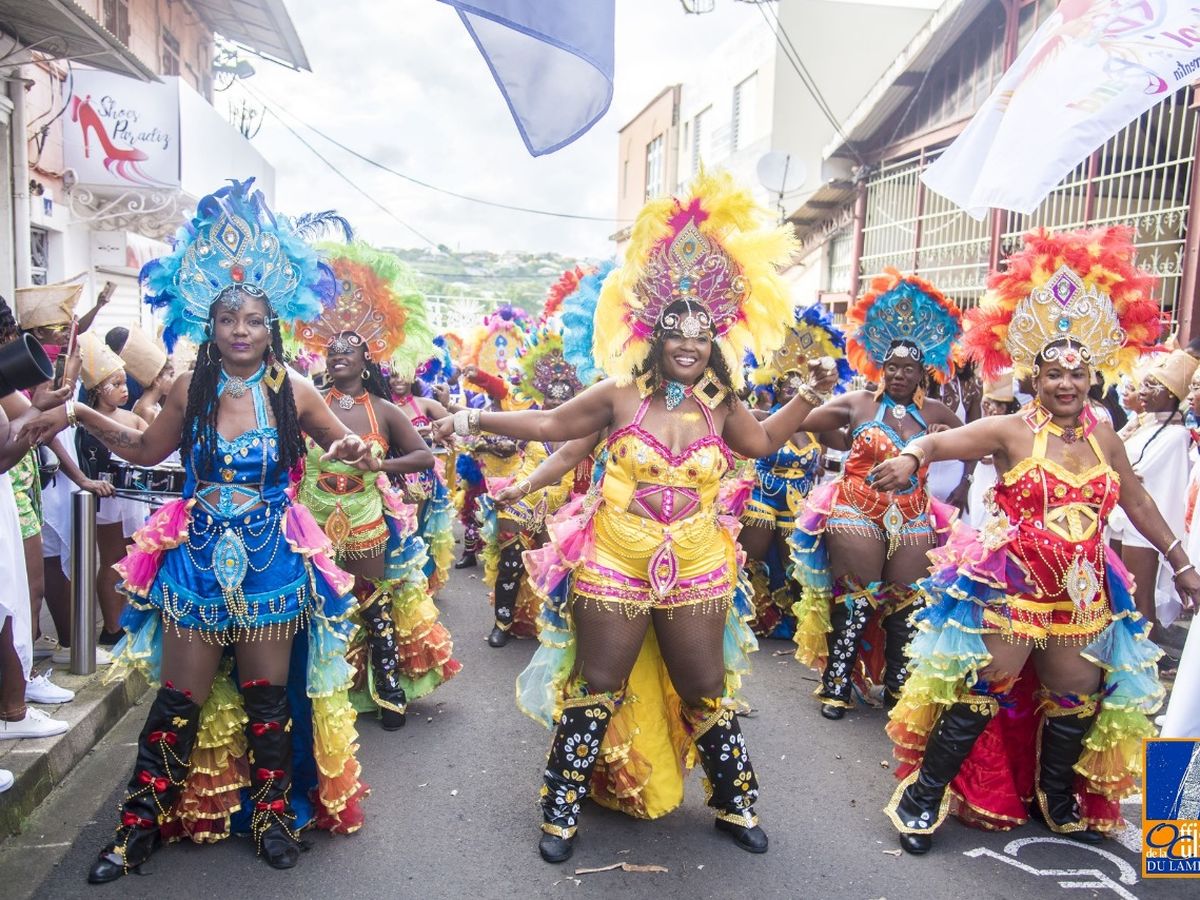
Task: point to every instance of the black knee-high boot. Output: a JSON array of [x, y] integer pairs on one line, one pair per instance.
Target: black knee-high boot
[[508, 584], [898, 632], [387, 692], [269, 735], [851, 612], [573, 755], [920, 803], [164, 754], [1063, 731], [732, 787]]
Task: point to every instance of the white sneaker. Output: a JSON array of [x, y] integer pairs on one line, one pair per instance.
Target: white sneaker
[[45, 647], [40, 689], [6, 780], [62, 656], [36, 724]]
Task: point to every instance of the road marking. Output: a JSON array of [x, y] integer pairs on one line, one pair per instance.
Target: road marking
[[1097, 879]]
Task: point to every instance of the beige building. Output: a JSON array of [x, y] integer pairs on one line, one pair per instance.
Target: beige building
[[649, 154]]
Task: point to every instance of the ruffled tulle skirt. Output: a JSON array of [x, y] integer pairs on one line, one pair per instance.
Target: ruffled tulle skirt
[[326, 790], [646, 750]]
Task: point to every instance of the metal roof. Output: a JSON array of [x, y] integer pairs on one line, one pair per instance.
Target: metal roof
[[60, 29], [823, 205], [905, 75], [261, 26]]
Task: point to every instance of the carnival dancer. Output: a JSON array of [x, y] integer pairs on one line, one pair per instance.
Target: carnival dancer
[[426, 488], [373, 531], [1032, 672], [547, 380], [234, 564], [1158, 448], [783, 479], [648, 554], [856, 549]]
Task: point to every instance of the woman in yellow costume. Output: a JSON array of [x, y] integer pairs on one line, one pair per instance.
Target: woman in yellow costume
[[653, 567], [1032, 673], [374, 316]]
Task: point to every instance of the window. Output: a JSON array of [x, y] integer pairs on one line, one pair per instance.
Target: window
[[745, 103], [170, 53], [116, 19], [699, 136], [654, 169], [39, 254]]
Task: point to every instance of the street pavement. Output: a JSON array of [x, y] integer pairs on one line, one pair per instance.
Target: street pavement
[[452, 814]]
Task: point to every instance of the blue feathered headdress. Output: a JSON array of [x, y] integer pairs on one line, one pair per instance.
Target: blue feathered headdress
[[903, 316], [235, 239], [578, 315]]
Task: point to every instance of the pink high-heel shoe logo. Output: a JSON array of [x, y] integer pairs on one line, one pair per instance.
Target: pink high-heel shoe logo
[[120, 161]]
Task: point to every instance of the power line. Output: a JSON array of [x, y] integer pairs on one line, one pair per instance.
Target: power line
[[792, 55], [268, 102], [347, 179]]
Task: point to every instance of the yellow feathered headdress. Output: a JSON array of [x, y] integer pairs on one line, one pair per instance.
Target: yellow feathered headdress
[[713, 247]]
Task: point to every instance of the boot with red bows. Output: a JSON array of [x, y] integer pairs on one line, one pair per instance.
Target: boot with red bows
[[269, 735], [164, 753]]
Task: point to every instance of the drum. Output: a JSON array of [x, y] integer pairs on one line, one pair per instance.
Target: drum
[[157, 483]]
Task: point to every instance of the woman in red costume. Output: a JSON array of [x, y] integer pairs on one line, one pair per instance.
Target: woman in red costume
[[1032, 673]]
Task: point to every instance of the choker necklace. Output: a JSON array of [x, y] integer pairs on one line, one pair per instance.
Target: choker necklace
[[1070, 434], [236, 386], [347, 401], [897, 410], [674, 393]]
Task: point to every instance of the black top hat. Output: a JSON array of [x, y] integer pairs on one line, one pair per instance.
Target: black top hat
[[23, 364]]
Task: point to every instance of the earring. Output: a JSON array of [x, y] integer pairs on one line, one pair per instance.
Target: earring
[[709, 390], [645, 384], [274, 375], [365, 375], [215, 359]]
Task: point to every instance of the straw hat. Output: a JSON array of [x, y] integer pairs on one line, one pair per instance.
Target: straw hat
[[1000, 388], [1174, 371], [99, 362], [47, 304], [144, 358]]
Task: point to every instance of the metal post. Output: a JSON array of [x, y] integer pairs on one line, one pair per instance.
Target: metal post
[[83, 583]]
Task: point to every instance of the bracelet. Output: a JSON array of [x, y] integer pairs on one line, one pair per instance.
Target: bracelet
[[1190, 567], [809, 395], [525, 487], [473, 420], [69, 406], [466, 422], [1175, 543], [916, 453]]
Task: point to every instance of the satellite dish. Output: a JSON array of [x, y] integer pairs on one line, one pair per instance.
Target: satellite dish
[[781, 173]]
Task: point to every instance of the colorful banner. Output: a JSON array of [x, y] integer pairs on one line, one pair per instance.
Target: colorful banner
[[1089, 70], [552, 61], [122, 132]]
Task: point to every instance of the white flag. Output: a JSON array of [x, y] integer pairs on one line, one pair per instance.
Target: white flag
[[1092, 68]]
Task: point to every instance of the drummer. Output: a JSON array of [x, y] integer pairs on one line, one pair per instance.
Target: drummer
[[117, 518], [146, 360]]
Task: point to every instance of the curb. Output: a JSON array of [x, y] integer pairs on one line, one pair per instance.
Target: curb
[[38, 765]]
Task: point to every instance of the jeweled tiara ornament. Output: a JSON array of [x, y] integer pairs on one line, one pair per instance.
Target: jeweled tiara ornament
[[376, 306], [234, 240], [811, 337], [716, 249], [903, 317], [1075, 298]]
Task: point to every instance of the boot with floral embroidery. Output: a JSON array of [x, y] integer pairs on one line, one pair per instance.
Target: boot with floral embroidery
[[732, 787], [852, 607], [508, 584], [573, 753], [386, 690]]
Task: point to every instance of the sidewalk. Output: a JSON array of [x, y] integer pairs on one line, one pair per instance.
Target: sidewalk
[[38, 765]]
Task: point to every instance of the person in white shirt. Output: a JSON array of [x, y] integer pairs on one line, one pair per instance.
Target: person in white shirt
[[999, 399]]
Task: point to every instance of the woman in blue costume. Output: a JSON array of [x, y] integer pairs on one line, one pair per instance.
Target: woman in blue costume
[[234, 568], [857, 551], [783, 479]]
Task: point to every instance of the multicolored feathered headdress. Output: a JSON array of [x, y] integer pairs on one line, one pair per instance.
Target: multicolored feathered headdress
[[814, 335], [493, 347], [545, 373], [712, 248], [234, 240], [579, 317], [567, 284], [437, 368], [903, 317], [1075, 297], [376, 307]]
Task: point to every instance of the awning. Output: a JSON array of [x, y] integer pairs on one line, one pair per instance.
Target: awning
[[261, 26], [825, 204], [59, 29]]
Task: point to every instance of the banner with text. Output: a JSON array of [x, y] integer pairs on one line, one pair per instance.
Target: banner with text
[[122, 132], [1089, 70]]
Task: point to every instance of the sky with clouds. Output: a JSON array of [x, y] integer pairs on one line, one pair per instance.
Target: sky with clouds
[[401, 82]]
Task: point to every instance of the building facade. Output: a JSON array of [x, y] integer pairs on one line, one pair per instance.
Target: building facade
[[113, 135]]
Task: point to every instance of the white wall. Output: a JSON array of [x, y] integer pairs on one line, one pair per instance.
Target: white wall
[[214, 151]]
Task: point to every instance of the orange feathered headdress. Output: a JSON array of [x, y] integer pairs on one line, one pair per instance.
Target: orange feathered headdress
[[902, 316], [1078, 288]]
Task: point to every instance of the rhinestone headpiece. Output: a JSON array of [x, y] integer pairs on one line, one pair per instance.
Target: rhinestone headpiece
[[1067, 322]]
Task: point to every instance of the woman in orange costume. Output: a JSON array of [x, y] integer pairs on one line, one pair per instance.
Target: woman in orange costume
[[1032, 673]]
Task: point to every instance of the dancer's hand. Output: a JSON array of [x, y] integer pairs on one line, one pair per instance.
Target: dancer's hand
[[510, 495], [1187, 586], [824, 375], [99, 488], [350, 449], [893, 474], [442, 429]]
